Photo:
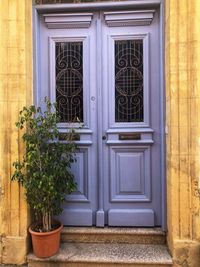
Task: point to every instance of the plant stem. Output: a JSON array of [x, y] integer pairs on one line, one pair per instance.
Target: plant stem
[[49, 220], [46, 220]]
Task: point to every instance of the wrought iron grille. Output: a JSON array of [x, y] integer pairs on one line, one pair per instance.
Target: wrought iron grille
[[129, 81], [69, 81]]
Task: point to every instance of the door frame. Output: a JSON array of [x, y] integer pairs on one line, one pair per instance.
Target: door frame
[[159, 4]]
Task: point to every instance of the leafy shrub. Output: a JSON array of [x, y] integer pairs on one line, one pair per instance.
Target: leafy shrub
[[45, 169]]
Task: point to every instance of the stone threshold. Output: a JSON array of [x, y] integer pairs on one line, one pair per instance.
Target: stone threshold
[[114, 235]]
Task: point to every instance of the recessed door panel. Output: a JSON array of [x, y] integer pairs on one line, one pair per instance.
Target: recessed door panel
[[130, 174], [131, 217], [80, 169]]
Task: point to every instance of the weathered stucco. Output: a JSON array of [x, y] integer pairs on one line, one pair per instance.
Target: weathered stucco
[[182, 41], [182, 44], [15, 92]]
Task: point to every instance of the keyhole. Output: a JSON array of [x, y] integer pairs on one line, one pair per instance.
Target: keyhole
[[104, 137]]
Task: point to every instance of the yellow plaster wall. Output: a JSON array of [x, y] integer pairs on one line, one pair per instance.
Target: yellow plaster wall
[[183, 123], [15, 92], [182, 42]]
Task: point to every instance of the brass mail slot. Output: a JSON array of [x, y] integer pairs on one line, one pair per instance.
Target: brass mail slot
[[65, 137], [129, 136]]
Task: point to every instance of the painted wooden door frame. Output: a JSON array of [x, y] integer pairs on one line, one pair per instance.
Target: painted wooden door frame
[[41, 9]]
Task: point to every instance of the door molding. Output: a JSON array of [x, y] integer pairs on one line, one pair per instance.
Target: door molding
[[107, 6], [68, 21], [129, 18]]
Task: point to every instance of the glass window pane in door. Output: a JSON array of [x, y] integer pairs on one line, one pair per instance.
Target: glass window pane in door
[[129, 103], [69, 81]]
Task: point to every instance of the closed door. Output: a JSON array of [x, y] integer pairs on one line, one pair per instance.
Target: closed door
[[103, 68]]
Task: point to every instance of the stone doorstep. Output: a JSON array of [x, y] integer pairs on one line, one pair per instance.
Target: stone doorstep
[[114, 235], [108, 255]]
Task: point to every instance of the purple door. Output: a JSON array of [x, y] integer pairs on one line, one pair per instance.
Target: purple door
[[103, 68]]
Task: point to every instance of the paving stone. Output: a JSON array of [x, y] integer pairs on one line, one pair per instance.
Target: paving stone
[[95, 254]]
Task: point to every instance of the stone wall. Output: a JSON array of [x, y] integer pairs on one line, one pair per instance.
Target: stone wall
[[182, 41]]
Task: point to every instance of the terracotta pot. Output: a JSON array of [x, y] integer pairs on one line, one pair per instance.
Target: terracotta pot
[[46, 244]]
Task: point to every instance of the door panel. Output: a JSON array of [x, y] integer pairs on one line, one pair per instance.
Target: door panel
[[131, 123], [131, 217], [130, 174], [68, 77], [81, 174]]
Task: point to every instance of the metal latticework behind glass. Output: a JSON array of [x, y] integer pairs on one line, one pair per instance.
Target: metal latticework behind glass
[[129, 81], [69, 81]]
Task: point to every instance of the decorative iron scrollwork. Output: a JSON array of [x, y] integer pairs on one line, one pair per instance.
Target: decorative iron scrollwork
[[129, 81], [69, 81]]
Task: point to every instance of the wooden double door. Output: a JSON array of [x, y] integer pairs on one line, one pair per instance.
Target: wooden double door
[[102, 68]]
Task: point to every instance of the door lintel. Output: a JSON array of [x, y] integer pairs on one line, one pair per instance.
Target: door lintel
[[49, 8]]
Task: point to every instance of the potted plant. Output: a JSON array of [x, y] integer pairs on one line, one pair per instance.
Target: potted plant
[[45, 173]]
